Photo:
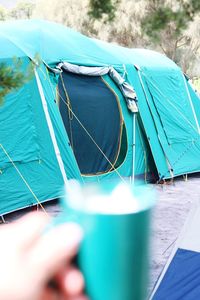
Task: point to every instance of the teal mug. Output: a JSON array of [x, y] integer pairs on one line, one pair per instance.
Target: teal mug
[[114, 253]]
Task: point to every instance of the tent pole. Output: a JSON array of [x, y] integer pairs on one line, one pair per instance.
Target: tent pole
[[51, 130], [2, 219], [185, 177], [133, 149], [191, 104]]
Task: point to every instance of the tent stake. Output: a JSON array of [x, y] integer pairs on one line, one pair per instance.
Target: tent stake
[[185, 177], [3, 220]]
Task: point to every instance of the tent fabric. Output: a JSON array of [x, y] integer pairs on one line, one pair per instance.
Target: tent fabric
[[51, 130], [92, 102], [26, 136], [161, 139], [63, 44], [180, 277], [83, 70], [173, 119], [26, 139], [126, 89]]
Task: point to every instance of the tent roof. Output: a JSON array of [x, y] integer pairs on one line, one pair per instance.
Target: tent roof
[[55, 42]]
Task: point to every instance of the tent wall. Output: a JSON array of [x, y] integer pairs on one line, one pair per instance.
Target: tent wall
[[148, 121], [49, 87], [168, 119], [145, 167], [26, 139], [142, 152], [174, 119]]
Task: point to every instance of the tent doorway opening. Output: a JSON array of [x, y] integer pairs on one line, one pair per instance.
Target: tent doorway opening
[[92, 116]]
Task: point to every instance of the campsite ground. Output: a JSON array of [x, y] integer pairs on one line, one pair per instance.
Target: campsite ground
[[174, 201]]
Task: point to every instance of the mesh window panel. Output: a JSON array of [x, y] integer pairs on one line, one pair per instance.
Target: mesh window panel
[[97, 109]]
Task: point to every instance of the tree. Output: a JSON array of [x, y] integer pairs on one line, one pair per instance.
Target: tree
[[189, 60], [124, 29], [179, 11], [161, 14], [12, 77], [133, 25], [167, 24], [99, 8], [23, 10], [3, 13]]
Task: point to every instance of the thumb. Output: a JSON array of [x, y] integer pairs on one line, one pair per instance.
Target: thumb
[[54, 249]]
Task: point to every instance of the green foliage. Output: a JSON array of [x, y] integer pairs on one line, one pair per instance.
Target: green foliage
[[163, 14], [159, 20], [190, 8], [99, 8], [12, 77]]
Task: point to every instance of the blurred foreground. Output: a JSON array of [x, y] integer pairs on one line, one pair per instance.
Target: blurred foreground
[[174, 202]]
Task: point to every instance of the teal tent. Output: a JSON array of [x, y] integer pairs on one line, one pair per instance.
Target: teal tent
[[35, 157], [126, 113]]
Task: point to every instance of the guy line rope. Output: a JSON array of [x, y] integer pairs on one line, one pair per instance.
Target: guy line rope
[[24, 180], [83, 127]]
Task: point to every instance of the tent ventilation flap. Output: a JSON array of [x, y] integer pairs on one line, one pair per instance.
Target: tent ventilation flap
[[126, 89]]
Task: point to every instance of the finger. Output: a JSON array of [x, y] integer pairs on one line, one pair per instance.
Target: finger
[[49, 294], [55, 248], [28, 229], [81, 297], [71, 282]]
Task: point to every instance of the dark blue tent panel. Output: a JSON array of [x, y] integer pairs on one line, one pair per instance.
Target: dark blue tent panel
[[181, 281], [95, 126]]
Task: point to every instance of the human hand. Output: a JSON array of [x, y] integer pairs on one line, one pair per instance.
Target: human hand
[[29, 259]]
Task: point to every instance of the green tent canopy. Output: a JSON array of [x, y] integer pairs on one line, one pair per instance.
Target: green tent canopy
[[92, 111]]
